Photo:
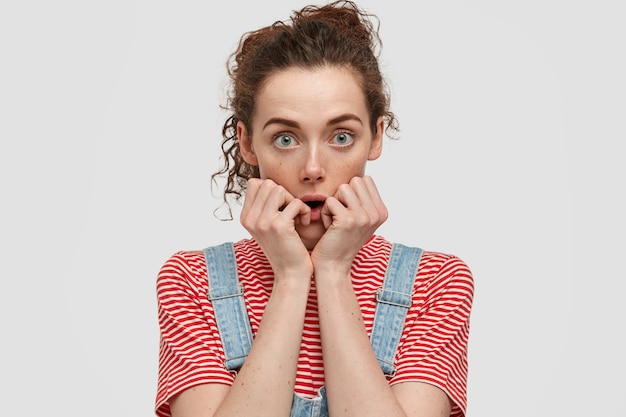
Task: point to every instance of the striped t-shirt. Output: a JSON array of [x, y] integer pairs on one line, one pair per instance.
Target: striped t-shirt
[[432, 349]]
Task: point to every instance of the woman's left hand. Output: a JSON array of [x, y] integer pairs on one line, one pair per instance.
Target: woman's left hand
[[351, 216]]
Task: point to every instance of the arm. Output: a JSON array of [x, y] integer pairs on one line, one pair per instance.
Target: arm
[[264, 385], [355, 383], [354, 379]]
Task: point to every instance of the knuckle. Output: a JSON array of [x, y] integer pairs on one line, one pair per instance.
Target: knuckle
[[253, 183], [263, 226], [343, 187]]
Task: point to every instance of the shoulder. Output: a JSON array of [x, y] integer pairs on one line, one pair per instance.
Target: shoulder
[[438, 271], [247, 250], [444, 275], [183, 270], [444, 264], [432, 264], [188, 268]]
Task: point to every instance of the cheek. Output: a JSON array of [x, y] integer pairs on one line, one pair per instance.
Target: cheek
[[270, 170], [352, 167]]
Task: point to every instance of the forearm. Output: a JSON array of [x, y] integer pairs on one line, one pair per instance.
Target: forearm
[[264, 386], [355, 383]]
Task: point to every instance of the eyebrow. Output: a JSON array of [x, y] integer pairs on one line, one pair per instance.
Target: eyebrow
[[296, 125], [279, 121]]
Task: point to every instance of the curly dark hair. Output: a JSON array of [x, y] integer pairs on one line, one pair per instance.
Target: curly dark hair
[[337, 34]]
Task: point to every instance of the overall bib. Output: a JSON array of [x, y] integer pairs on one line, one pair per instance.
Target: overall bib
[[392, 303]]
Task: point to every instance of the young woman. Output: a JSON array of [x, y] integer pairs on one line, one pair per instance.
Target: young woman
[[314, 315]]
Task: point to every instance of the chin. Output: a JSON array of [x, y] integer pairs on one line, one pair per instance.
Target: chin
[[311, 234]]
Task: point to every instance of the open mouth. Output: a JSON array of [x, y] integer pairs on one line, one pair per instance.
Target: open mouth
[[314, 204]]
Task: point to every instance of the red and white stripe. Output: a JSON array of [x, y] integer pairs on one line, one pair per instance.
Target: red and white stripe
[[432, 349]]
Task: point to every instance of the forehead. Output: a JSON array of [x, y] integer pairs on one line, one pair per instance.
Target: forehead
[[311, 91]]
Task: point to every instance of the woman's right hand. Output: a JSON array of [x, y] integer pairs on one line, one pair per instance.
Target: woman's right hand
[[270, 214]]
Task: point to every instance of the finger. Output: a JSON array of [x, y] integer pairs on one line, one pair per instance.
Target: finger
[[332, 207], [277, 197], [347, 195], [361, 189], [264, 198], [362, 199], [368, 192], [297, 210], [250, 195]]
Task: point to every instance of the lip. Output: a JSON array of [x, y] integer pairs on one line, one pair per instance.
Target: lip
[[316, 213], [313, 197]]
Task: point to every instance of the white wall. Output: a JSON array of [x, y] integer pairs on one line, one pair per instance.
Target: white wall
[[511, 117]]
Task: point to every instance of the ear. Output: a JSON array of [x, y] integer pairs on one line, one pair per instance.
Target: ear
[[245, 145], [376, 147]]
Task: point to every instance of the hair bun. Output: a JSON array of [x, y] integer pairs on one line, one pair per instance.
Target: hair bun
[[353, 23]]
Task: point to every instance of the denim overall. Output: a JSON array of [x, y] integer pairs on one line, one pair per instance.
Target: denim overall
[[392, 303]]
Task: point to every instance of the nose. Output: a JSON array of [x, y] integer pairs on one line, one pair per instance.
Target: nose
[[312, 170]]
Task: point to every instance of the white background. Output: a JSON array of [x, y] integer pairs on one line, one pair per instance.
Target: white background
[[510, 156]]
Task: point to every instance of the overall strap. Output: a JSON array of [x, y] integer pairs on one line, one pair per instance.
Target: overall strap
[[226, 295], [314, 407], [392, 304]]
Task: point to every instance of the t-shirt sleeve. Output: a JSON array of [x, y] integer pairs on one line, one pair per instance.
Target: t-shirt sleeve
[[190, 351], [434, 344]]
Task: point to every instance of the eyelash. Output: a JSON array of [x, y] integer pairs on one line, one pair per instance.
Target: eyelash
[[334, 135], [348, 132], [281, 134]]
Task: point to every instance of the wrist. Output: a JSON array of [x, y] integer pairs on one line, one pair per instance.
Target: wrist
[[293, 280], [334, 269], [329, 278]]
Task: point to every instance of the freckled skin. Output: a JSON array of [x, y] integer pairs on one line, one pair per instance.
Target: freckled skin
[[310, 100]]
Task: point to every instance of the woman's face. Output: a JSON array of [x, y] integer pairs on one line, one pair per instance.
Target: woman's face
[[311, 133]]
